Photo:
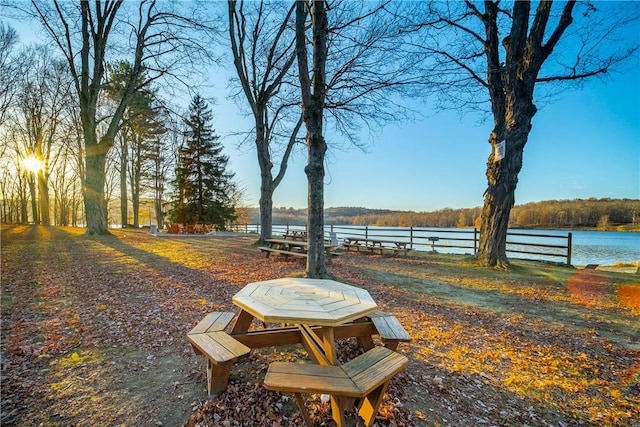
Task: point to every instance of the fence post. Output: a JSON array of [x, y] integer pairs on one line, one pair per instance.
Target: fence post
[[569, 247], [410, 237], [366, 231], [475, 240]]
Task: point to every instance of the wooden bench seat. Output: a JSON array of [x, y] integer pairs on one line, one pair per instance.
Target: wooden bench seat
[[281, 251], [390, 329], [375, 245], [366, 377], [221, 349], [348, 246], [216, 321], [401, 250], [299, 254]]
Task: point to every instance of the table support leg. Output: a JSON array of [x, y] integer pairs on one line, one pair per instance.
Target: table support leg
[[337, 410], [329, 344], [217, 377], [366, 341], [371, 403], [303, 409], [242, 323]]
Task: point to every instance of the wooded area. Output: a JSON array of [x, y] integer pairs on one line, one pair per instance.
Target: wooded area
[[604, 214], [76, 119]]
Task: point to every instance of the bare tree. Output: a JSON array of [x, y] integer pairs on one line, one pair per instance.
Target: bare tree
[[42, 103], [313, 89], [161, 39], [503, 53], [163, 148], [8, 69], [64, 183], [357, 73], [138, 127], [263, 55]]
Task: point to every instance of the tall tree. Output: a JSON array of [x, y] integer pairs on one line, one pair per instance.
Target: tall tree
[[8, 69], [357, 81], [164, 142], [263, 55], [313, 89], [40, 107], [506, 51], [161, 37], [204, 184], [138, 127]]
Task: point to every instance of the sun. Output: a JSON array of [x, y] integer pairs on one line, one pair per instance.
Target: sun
[[32, 164]]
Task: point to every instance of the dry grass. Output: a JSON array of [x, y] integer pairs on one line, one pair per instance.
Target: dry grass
[[93, 333]]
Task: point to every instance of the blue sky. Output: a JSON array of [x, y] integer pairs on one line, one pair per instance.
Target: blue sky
[[585, 144]]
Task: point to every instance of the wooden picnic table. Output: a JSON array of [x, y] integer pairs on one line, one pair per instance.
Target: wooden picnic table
[[289, 247], [374, 244], [295, 235], [306, 303], [314, 313]]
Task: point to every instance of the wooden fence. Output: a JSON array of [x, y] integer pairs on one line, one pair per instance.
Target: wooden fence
[[463, 240]]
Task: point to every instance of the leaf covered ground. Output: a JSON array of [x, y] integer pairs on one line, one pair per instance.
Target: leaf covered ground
[[94, 333]]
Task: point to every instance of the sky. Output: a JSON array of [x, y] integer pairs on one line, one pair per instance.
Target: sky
[[584, 144]]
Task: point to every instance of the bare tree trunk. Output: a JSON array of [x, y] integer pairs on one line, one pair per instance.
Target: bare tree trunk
[[34, 198], [315, 178], [94, 198], [135, 198], [124, 206], [266, 206], [261, 82], [502, 176], [313, 98], [43, 201]]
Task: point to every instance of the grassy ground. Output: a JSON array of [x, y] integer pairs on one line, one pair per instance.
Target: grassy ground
[[93, 333]]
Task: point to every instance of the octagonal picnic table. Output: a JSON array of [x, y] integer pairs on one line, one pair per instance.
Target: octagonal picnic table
[[306, 303]]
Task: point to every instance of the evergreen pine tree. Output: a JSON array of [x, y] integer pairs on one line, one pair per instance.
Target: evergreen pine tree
[[203, 184]]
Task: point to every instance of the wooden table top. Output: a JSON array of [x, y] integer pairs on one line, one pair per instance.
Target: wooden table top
[[362, 239], [315, 302]]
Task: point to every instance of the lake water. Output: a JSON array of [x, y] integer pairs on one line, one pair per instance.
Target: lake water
[[588, 247], [605, 247]]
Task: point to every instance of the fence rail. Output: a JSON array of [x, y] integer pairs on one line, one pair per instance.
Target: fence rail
[[464, 240]]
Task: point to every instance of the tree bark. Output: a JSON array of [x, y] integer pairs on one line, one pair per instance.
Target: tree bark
[[511, 82], [43, 192], [34, 198], [313, 98], [124, 207], [502, 176], [266, 206], [94, 199], [260, 84], [315, 177]]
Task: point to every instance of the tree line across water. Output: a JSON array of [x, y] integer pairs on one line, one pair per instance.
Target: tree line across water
[[603, 214]]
